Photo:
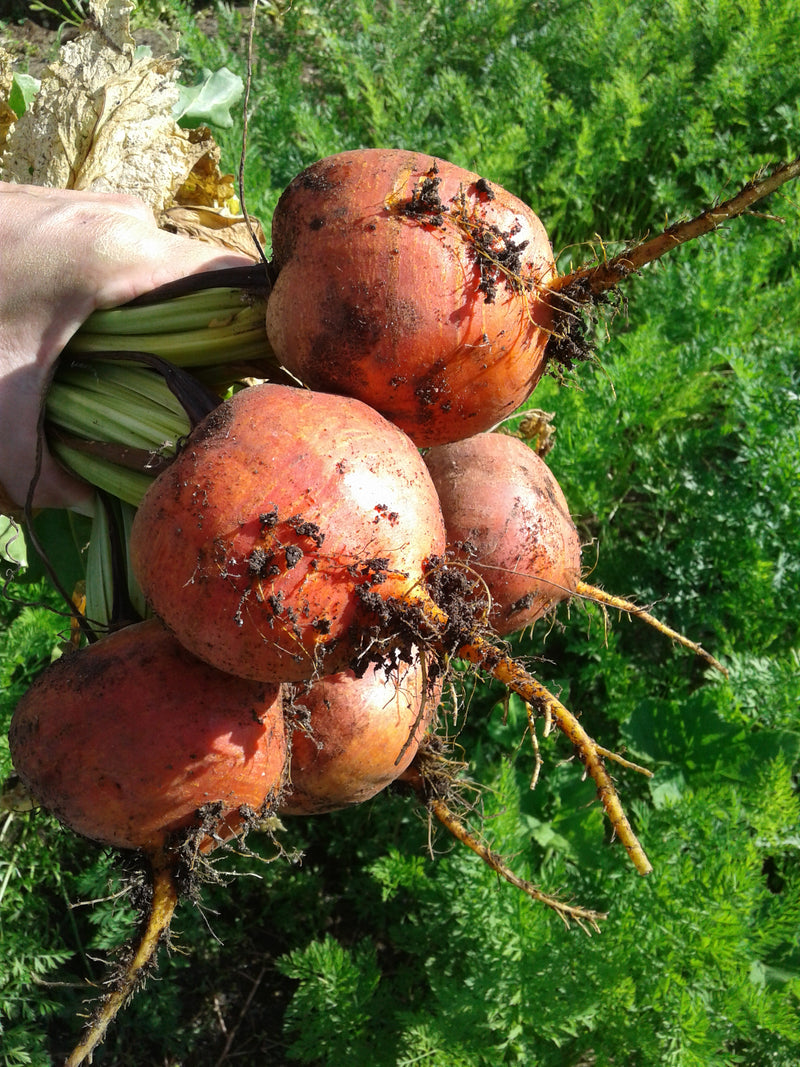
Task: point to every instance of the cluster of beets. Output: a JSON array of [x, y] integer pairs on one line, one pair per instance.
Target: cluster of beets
[[314, 555]]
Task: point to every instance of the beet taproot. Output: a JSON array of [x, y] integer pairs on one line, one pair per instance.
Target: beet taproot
[[263, 542], [127, 739], [414, 285]]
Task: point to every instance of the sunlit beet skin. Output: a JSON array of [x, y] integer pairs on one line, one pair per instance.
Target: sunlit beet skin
[[124, 740], [258, 545], [506, 515], [354, 736], [414, 285]]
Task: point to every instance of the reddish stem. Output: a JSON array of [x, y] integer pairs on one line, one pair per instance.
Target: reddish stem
[[588, 282]]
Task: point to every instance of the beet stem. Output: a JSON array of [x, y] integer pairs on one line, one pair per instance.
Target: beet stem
[[154, 930]]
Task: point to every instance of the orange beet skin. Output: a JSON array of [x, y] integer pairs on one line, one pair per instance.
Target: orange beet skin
[[257, 544], [126, 739], [506, 516], [414, 285], [355, 736]]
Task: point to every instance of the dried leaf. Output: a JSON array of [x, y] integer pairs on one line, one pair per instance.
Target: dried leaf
[[205, 186], [7, 116], [214, 226], [6, 73], [102, 119]]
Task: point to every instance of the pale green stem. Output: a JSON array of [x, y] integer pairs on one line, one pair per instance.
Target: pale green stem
[[209, 328], [126, 484], [130, 405], [80, 412], [198, 348], [196, 311], [99, 571]]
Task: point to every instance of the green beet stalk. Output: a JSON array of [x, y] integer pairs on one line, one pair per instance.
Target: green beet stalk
[[128, 389], [237, 336], [197, 328], [123, 483], [114, 422], [114, 425], [112, 593], [126, 405]]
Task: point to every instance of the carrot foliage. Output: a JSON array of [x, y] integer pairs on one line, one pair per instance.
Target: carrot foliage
[[679, 455]]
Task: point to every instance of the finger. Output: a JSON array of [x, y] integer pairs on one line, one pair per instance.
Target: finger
[[124, 203], [142, 261]]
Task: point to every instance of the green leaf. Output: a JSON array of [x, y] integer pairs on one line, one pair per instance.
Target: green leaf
[[63, 535], [23, 89], [208, 102], [12, 542], [667, 785]]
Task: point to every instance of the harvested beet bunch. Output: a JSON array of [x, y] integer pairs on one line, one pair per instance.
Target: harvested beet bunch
[[323, 572]]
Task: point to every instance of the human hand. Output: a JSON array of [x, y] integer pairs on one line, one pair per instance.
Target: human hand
[[63, 254]]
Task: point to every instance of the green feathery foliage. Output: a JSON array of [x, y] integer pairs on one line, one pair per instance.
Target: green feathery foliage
[[678, 453]]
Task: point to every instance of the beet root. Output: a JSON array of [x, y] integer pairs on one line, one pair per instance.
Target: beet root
[[131, 739], [259, 544], [355, 736], [506, 516], [414, 285]]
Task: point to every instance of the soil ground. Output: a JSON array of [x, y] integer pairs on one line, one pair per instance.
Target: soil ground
[[34, 44], [31, 45]]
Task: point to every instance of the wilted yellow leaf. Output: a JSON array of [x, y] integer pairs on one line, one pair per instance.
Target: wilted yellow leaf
[[102, 119], [214, 226], [7, 116]]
